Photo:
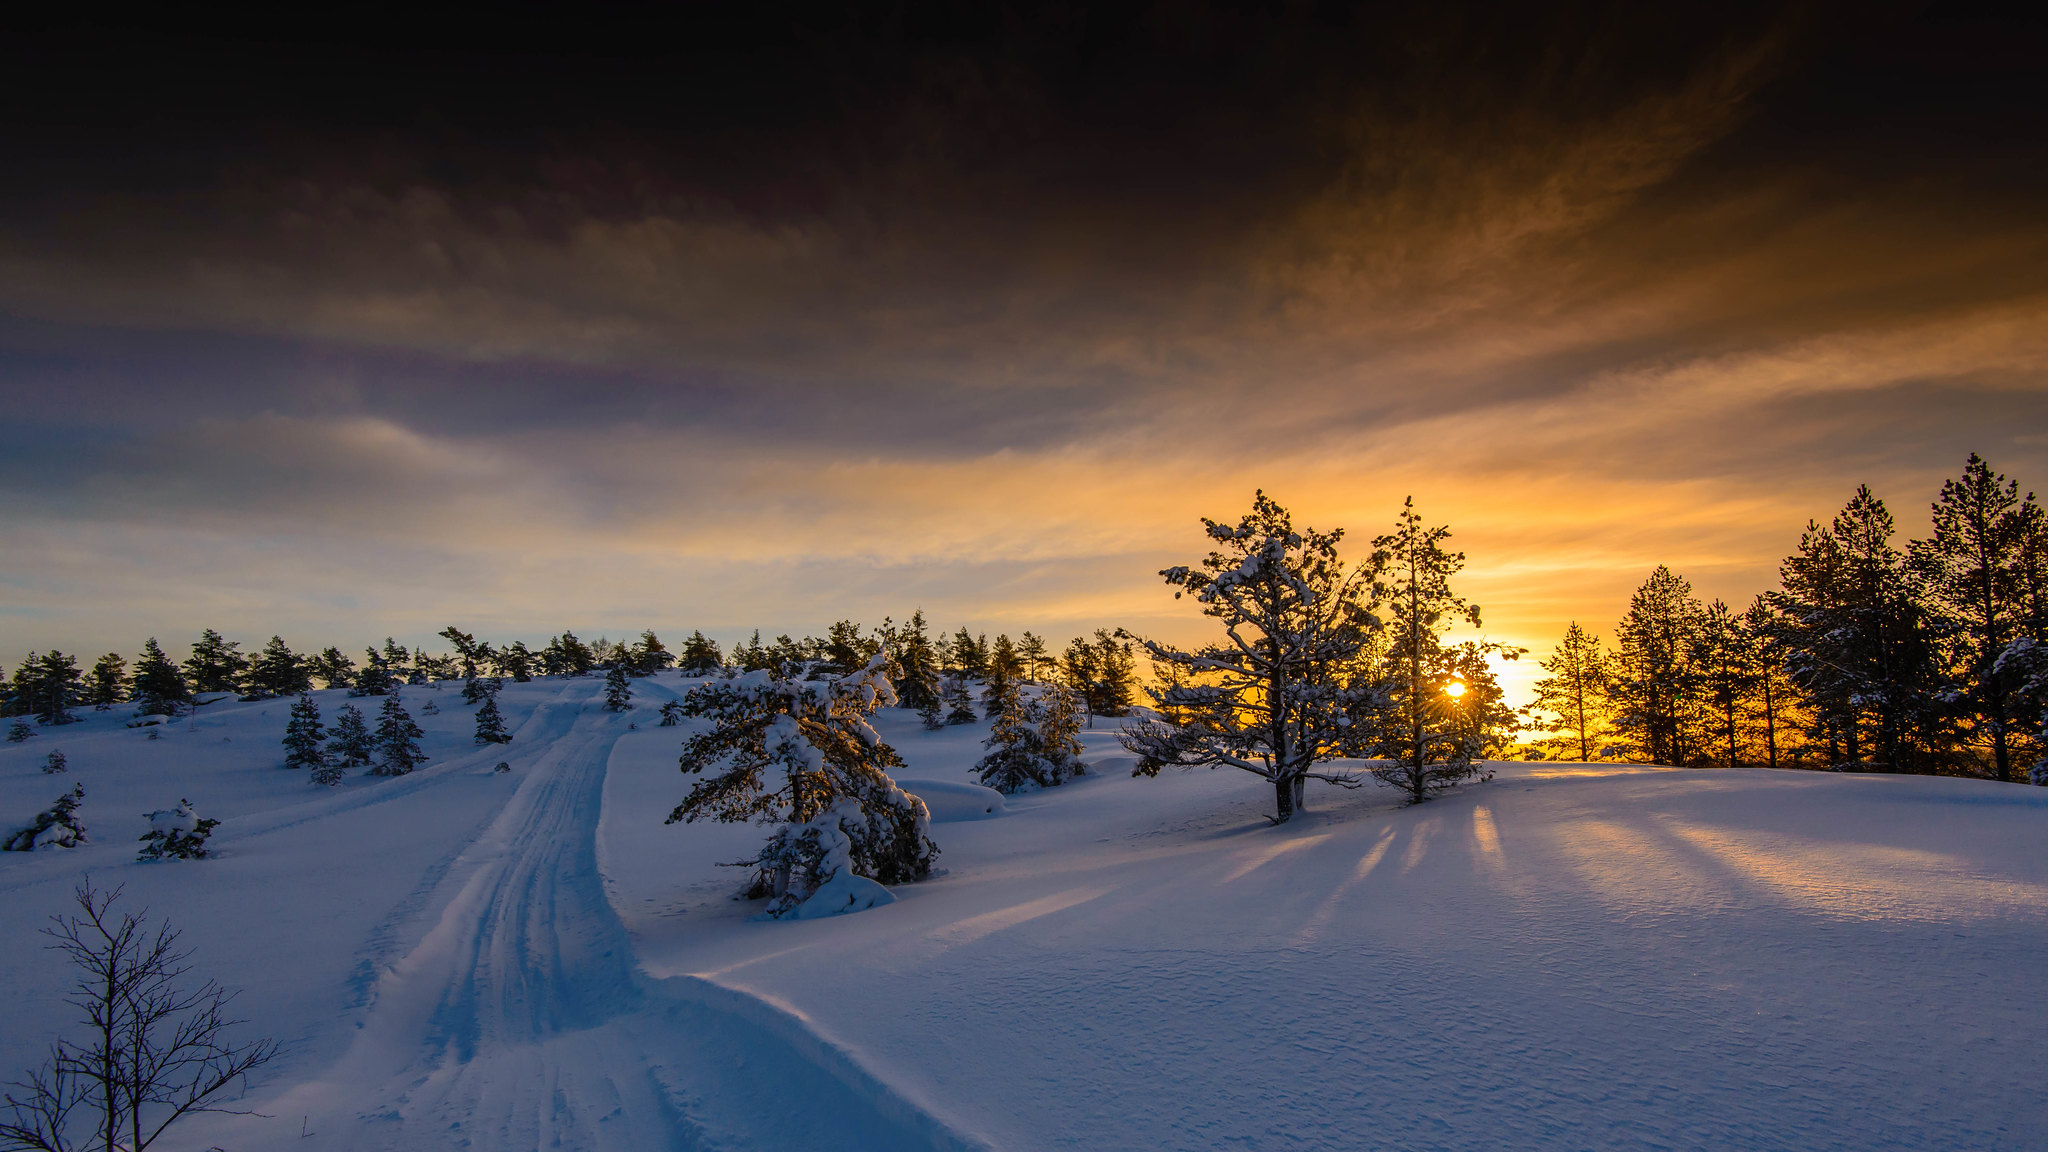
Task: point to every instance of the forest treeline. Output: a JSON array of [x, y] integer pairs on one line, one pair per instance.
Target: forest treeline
[[1868, 656], [930, 672]]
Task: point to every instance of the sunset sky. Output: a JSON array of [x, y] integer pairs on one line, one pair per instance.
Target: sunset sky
[[389, 322]]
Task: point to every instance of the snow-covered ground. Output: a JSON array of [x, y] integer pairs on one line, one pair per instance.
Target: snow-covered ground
[[1569, 957]]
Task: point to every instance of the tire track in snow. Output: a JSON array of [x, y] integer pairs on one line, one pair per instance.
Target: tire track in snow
[[519, 1020]]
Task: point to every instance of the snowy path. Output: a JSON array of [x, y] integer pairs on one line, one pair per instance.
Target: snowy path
[[518, 1021]]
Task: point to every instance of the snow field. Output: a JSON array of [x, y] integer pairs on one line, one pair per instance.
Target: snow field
[[1587, 957]]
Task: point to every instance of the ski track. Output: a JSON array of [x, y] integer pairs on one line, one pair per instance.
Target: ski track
[[519, 1019]]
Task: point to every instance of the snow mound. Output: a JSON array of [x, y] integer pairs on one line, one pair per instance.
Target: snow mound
[[950, 801], [844, 892]]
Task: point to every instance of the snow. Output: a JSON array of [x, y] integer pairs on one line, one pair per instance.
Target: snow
[[1569, 956]]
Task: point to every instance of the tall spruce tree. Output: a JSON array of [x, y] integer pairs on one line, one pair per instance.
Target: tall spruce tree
[[107, 684], [1775, 691], [517, 661], [47, 686], [1726, 656], [959, 705], [160, 688], [701, 656], [1575, 692], [398, 740], [1270, 698], [376, 678], [1002, 677], [333, 667], [1656, 688], [1426, 737], [302, 735], [1973, 569], [916, 669]]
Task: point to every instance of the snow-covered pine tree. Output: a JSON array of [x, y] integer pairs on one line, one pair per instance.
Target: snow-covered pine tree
[[398, 740], [1270, 698], [176, 834], [278, 671], [430, 709], [54, 763], [216, 663], [618, 690], [490, 723], [1059, 731], [1015, 760], [473, 690], [1575, 693], [1418, 721], [333, 667], [160, 689], [802, 753], [960, 706], [671, 713], [302, 735], [58, 826], [350, 745], [19, 731], [107, 684]]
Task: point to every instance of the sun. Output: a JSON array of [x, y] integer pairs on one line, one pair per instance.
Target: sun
[[1454, 689]]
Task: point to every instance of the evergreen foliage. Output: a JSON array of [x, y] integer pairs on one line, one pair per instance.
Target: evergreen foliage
[[376, 677], [279, 671], [1421, 721], [490, 723], [671, 713], [968, 656], [565, 655], [1033, 658], [397, 744], [1269, 698], [216, 664], [467, 653], [916, 669], [334, 668], [1575, 693], [960, 706], [1104, 672], [1656, 684], [1978, 586], [19, 731], [1032, 743], [160, 688], [350, 745], [57, 826], [176, 834], [107, 684], [302, 735], [54, 763], [46, 687], [516, 661], [789, 750], [648, 655], [618, 690], [701, 657], [1003, 673]]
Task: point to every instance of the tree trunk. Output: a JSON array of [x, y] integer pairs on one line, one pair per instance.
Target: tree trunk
[[1301, 793], [1283, 799]]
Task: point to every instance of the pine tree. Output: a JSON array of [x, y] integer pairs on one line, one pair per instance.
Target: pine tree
[[701, 656], [55, 763], [1271, 703], [465, 649], [302, 735], [1002, 677], [782, 749], [618, 690], [107, 684], [1575, 691], [351, 745], [375, 679], [55, 827], [216, 664], [1016, 760], [398, 748], [916, 669], [1033, 658], [648, 655], [47, 686], [19, 731], [847, 649], [334, 669], [1656, 684], [959, 703], [1427, 737], [671, 713], [490, 723], [1726, 658], [1774, 688], [278, 671], [969, 655], [516, 661], [565, 655], [160, 689], [1974, 573], [176, 834]]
